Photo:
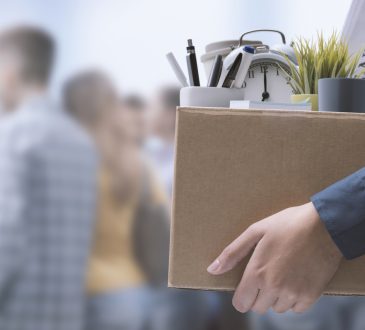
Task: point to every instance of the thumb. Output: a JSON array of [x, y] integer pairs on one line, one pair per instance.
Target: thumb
[[236, 251]]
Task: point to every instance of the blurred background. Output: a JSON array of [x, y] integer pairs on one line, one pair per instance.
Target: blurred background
[[111, 54], [126, 38]]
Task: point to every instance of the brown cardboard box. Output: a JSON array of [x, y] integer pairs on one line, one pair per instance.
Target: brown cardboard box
[[234, 167]]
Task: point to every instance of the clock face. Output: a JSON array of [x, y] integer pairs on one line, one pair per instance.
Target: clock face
[[265, 81]]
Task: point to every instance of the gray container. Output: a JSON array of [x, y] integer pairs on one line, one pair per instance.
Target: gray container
[[341, 95]]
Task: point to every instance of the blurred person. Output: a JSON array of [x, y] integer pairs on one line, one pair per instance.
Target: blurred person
[[135, 117], [330, 312], [160, 145], [131, 243], [170, 308], [159, 148], [47, 193], [128, 265]]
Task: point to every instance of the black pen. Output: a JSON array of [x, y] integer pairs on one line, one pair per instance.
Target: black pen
[[216, 71], [192, 64], [231, 75]]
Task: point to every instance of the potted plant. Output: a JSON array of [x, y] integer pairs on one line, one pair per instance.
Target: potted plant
[[320, 59]]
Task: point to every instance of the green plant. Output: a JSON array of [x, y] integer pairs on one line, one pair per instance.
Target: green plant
[[321, 59]]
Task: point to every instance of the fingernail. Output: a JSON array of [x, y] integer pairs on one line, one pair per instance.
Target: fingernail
[[214, 266]]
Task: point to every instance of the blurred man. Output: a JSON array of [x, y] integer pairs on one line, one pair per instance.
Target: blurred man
[[135, 118], [330, 312], [47, 192], [206, 307], [160, 145]]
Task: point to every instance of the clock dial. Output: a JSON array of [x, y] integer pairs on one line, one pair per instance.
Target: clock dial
[[265, 81]]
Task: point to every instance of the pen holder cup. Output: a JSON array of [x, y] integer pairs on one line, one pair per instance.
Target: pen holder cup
[[209, 96]]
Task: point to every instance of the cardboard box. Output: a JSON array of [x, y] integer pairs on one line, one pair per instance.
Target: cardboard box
[[235, 167]]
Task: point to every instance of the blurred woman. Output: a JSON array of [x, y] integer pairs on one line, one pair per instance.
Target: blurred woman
[[131, 241], [127, 249]]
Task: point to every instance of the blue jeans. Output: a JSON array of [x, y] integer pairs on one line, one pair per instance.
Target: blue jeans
[[118, 310], [146, 308], [329, 313]]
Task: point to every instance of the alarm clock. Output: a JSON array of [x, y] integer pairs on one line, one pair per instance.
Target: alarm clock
[[266, 79]]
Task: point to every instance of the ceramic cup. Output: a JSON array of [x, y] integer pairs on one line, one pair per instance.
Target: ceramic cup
[[341, 95]]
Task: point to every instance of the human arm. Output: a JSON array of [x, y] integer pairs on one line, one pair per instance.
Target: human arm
[[289, 262], [293, 260], [341, 208], [13, 200]]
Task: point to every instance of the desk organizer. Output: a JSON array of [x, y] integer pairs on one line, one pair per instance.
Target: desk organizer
[[209, 96]]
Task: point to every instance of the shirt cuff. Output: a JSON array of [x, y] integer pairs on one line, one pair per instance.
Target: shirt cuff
[[341, 208]]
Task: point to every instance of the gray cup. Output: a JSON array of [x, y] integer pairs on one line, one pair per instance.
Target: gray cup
[[341, 95]]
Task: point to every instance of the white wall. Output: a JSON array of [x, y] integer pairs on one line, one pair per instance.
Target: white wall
[[129, 38]]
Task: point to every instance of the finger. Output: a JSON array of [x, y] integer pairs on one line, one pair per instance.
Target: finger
[[264, 301], [236, 251], [283, 304], [248, 289], [303, 305], [245, 296]]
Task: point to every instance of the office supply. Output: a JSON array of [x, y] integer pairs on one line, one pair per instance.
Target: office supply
[[222, 48], [341, 95], [227, 65], [231, 75], [235, 167], [267, 76], [192, 64], [246, 104], [231, 57], [354, 26], [247, 54], [209, 96], [177, 69], [266, 79], [216, 72]]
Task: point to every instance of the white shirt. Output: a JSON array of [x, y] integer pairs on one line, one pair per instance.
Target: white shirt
[[161, 155]]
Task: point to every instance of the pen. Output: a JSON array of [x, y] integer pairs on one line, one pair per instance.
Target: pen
[[231, 75], [192, 64], [177, 69], [247, 54], [216, 71]]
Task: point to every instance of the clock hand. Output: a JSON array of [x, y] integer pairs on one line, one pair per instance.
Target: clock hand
[[265, 94]]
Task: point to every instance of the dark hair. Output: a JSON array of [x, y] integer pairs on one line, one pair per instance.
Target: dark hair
[[34, 47], [170, 97], [134, 102]]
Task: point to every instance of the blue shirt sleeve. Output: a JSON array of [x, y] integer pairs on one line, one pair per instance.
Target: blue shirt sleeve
[[341, 207]]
